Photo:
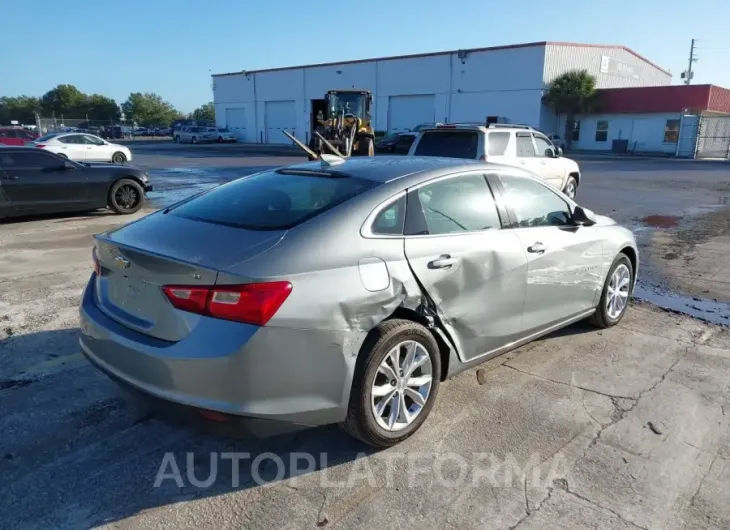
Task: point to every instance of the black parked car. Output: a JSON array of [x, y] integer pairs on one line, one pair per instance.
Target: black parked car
[[397, 143], [34, 181]]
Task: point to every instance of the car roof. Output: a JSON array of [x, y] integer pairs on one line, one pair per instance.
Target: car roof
[[386, 168], [478, 127]]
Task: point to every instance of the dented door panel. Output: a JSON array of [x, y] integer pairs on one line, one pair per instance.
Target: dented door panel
[[478, 290]]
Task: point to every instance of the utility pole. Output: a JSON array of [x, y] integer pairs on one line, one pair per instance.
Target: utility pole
[[692, 59]]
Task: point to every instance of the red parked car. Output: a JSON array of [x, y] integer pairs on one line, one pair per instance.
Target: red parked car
[[16, 136]]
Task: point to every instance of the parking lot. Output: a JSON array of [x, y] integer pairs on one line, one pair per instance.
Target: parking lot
[[623, 428]]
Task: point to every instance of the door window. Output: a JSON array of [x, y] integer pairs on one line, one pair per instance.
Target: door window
[[458, 204], [543, 147], [525, 147], [498, 142], [74, 139], [390, 220], [29, 160], [534, 204], [90, 140]]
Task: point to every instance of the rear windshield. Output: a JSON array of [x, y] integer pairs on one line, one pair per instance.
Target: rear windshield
[[271, 200], [455, 144]]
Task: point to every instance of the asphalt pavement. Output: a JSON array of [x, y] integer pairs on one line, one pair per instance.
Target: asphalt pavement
[[623, 428]]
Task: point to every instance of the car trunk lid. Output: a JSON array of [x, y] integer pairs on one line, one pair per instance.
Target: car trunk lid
[[137, 260]]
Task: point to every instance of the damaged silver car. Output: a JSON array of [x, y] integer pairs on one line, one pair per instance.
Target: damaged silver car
[[345, 292]]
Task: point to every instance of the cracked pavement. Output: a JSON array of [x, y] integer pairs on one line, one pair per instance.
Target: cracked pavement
[[623, 428]]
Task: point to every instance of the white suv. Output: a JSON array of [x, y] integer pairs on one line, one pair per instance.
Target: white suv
[[513, 145]]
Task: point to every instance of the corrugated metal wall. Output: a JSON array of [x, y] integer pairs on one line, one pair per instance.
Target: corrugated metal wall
[[561, 58]]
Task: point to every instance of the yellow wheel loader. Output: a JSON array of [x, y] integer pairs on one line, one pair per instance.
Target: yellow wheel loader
[[344, 129]]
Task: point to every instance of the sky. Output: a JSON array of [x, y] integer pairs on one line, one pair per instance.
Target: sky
[[171, 47]]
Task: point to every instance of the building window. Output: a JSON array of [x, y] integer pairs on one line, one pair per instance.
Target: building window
[[671, 132], [575, 131], [601, 131]]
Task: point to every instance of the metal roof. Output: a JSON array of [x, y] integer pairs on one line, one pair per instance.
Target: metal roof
[[671, 98], [433, 54]]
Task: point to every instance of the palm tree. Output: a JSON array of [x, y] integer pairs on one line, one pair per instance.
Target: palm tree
[[572, 93]]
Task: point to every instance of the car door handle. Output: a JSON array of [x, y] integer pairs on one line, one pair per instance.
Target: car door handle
[[536, 248], [444, 261]]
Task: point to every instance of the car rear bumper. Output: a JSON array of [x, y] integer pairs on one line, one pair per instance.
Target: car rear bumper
[[258, 375]]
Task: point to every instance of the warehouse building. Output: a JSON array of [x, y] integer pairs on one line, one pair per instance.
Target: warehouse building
[[691, 121], [462, 85]]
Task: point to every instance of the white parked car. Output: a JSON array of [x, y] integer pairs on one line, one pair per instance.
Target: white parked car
[[83, 148], [222, 134], [511, 145]]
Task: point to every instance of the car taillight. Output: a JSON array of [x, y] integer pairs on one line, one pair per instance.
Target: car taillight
[[251, 303], [97, 265]]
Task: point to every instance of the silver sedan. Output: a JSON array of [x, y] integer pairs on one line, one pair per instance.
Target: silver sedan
[[345, 292]]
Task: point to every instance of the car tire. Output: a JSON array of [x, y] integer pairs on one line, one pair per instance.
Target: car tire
[[363, 421], [220, 140], [177, 139], [194, 140], [571, 187], [606, 314], [119, 158], [126, 196]]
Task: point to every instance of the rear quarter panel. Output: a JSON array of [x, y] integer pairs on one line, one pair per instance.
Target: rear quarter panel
[[341, 280]]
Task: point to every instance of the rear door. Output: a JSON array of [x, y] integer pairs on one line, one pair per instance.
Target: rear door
[[564, 260], [474, 271], [525, 152], [8, 136], [37, 181], [72, 146]]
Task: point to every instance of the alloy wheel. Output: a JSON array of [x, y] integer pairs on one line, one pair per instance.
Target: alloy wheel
[[126, 197], [570, 189], [402, 386], [618, 291]]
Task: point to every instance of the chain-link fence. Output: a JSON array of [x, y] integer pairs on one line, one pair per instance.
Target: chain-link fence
[[104, 128]]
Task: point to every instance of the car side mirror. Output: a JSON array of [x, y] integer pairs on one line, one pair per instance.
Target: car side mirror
[[584, 217], [550, 153], [66, 166]]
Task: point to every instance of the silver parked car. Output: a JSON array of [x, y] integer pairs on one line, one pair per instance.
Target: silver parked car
[[346, 292]]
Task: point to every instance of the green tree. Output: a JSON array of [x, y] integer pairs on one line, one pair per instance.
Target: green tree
[[205, 112], [98, 107], [20, 108], [148, 109], [572, 93], [62, 100]]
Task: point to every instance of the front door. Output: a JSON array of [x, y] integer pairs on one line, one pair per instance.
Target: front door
[[97, 150], [72, 146], [549, 165], [37, 181], [473, 270], [564, 260]]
